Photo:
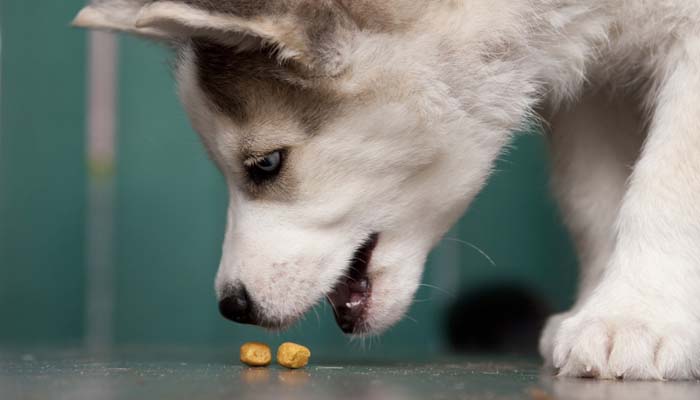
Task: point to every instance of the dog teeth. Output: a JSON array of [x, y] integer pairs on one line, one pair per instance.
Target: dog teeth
[[356, 300]]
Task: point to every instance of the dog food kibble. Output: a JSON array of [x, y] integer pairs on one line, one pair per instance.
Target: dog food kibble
[[256, 354], [293, 356]]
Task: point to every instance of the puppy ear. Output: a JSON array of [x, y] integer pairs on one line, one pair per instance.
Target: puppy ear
[[116, 15], [314, 33]]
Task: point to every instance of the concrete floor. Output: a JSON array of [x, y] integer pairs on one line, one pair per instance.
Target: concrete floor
[[178, 375]]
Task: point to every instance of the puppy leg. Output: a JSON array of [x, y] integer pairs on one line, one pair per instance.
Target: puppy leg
[[642, 321], [593, 146]]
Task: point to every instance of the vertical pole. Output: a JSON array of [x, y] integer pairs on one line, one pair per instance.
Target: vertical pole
[[101, 131]]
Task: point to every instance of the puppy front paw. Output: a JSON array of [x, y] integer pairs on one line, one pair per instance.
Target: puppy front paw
[[551, 328], [611, 345]]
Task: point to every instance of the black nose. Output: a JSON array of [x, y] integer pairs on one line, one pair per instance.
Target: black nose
[[238, 307]]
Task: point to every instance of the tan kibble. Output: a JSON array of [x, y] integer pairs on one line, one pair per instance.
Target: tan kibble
[[292, 355], [256, 354]]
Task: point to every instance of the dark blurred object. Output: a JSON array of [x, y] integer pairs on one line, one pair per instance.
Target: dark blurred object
[[499, 319]]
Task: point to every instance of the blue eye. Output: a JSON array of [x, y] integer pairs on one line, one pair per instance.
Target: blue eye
[[269, 163], [265, 168]]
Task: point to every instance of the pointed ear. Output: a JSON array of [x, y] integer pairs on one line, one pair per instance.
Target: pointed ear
[[116, 15], [314, 33]]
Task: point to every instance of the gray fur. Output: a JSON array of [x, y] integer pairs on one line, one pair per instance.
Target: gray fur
[[239, 85]]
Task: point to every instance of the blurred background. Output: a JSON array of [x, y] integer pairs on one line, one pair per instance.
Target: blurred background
[[112, 218]]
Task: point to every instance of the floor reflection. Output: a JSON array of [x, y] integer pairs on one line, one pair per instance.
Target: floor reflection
[[588, 389], [66, 377]]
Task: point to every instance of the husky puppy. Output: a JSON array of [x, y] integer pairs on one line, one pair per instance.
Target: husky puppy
[[353, 133]]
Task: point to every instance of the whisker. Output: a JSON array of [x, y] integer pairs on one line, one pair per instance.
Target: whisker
[[473, 246], [335, 311], [318, 318], [439, 289], [423, 300]]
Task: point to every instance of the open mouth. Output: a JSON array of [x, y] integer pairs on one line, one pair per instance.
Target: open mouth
[[351, 294]]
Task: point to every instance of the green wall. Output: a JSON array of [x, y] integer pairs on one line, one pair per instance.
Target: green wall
[[170, 208], [42, 173]]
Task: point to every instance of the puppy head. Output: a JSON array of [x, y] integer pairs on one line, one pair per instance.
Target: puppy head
[[344, 151]]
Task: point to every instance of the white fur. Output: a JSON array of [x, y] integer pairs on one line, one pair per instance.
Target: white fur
[[118, 15], [618, 81]]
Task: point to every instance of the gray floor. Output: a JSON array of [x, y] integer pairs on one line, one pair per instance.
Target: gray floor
[[182, 375]]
